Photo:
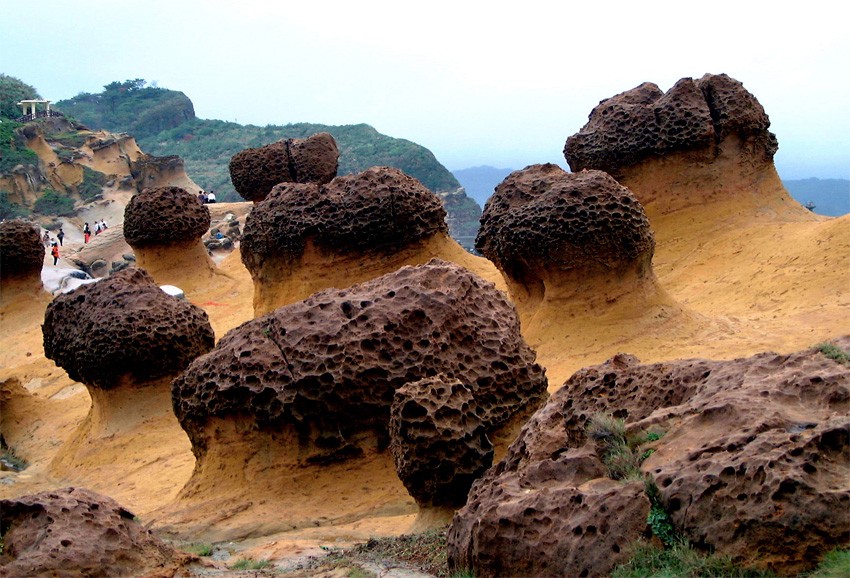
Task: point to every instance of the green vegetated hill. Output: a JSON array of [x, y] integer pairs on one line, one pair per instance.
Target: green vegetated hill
[[164, 123]]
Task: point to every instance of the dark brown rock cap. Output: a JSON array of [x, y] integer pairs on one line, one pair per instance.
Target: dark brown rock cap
[[123, 324], [645, 122], [164, 216], [543, 218], [381, 209], [77, 532], [21, 249], [330, 364], [439, 443], [255, 171]]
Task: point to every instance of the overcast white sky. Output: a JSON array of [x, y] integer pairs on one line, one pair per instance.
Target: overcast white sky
[[496, 83]]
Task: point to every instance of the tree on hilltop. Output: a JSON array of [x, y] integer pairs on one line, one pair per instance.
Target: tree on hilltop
[[12, 91]]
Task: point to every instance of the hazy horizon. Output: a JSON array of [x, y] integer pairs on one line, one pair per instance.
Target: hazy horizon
[[476, 83]]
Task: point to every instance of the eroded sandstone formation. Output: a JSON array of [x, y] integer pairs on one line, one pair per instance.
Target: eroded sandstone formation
[[306, 237], [21, 254], [164, 226], [438, 441], [752, 463], [702, 142], [318, 376], [645, 122], [164, 216], [575, 248], [74, 531], [255, 171], [124, 325]]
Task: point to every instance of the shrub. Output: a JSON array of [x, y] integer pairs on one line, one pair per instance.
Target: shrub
[[648, 561], [248, 564], [9, 209], [13, 149], [92, 185], [834, 352], [52, 203]]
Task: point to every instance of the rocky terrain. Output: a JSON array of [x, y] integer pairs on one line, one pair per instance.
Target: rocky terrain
[[653, 351]]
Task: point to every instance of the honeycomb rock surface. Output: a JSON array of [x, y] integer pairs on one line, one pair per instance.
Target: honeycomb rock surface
[[164, 216], [545, 219], [751, 463], [645, 122], [123, 325], [255, 171], [329, 365], [380, 209], [21, 249], [77, 532], [439, 443]]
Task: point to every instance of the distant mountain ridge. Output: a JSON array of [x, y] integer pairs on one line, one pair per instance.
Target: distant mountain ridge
[[831, 197]]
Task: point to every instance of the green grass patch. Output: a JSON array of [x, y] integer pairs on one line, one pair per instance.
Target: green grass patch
[[834, 352], [836, 564], [681, 560], [53, 203], [248, 564], [199, 549]]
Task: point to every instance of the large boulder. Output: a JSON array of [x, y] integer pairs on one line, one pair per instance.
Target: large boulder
[[311, 384], [76, 532], [255, 171], [124, 325], [576, 252], [752, 463], [438, 441], [164, 216], [307, 237], [164, 226], [645, 122], [21, 249]]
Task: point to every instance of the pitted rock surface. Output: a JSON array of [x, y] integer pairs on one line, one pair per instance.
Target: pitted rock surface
[[439, 443], [645, 122], [380, 209], [77, 532], [329, 365], [543, 218], [21, 249], [752, 462], [163, 216], [255, 171], [123, 324]]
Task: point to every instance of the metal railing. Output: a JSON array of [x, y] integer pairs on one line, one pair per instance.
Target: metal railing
[[38, 114]]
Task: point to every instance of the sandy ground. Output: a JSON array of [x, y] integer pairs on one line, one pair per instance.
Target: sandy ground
[[729, 288]]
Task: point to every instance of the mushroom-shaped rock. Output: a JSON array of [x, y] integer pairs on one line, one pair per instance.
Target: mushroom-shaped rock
[[255, 171], [575, 249], [306, 237], [312, 382], [702, 142], [125, 339], [21, 255], [439, 443], [124, 325], [164, 227], [77, 532], [749, 449]]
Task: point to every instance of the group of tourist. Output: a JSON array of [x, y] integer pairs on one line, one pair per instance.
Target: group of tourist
[[99, 227], [54, 245], [206, 197]]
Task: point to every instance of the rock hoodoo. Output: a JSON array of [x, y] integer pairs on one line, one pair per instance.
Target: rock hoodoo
[[21, 256], [164, 227], [438, 441], [124, 325], [574, 247], [306, 237], [125, 339], [311, 384], [255, 171], [750, 460], [74, 531], [703, 141]]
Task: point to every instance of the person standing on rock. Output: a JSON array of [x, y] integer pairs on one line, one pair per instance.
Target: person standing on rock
[[103, 226], [96, 228], [86, 233], [60, 235], [55, 252], [210, 197]]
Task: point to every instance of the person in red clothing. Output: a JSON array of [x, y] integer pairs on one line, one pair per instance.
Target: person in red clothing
[[55, 252], [87, 233]]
